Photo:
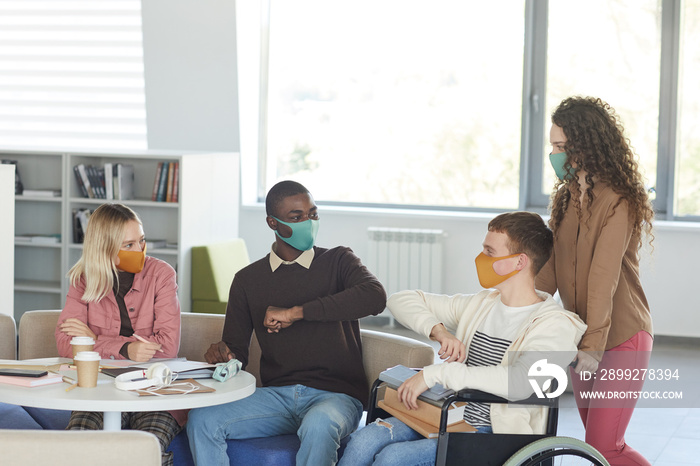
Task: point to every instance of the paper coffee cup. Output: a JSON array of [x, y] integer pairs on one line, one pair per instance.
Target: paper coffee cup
[[82, 344], [88, 364]]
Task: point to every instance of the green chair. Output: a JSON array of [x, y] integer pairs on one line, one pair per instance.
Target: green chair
[[213, 268]]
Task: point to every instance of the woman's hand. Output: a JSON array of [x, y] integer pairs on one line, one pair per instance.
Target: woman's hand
[[409, 390], [76, 328], [452, 349], [585, 362]]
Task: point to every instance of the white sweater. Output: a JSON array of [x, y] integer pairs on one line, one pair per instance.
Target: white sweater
[[550, 330]]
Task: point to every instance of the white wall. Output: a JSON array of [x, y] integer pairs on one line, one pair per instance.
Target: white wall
[[669, 274], [189, 59], [7, 239]]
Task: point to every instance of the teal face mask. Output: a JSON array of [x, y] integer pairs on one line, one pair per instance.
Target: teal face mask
[[303, 234], [558, 161]]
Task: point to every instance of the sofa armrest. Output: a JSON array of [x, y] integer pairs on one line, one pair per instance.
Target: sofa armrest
[[8, 337], [37, 334], [381, 350]]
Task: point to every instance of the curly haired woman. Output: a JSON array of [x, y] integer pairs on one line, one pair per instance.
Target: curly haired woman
[[600, 210]]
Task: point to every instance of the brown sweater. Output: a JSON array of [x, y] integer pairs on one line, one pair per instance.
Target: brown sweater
[[323, 350], [595, 267]]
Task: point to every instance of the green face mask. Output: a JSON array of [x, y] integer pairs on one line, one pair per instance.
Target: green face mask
[[303, 234], [558, 161]]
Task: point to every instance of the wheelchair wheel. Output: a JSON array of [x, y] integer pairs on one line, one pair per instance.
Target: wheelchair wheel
[[553, 451]]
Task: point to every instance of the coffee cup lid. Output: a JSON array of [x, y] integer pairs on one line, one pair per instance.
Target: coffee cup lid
[[87, 356], [82, 341]]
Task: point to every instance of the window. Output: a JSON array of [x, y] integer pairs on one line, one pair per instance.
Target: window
[[416, 103], [71, 74], [609, 49], [448, 105], [687, 194]]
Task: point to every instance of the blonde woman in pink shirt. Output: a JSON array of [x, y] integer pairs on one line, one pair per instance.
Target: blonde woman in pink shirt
[[127, 302]]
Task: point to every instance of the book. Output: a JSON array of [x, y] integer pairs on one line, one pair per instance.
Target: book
[[42, 192], [169, 187], [95, 183], [176, 176], [155, 244], [426, 412], [125, 181], [80, 219], [79, 180], [38, 239], [82, 172], [162, 182], [423, 428], [397, 375], [108, 178], [156, 181], [83, 217], [47, 379]]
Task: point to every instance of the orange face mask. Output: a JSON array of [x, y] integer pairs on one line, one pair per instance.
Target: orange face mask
[[132, 261], [488, 278]]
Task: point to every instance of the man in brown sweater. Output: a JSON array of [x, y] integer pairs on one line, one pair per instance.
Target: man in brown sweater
[[303, 302]]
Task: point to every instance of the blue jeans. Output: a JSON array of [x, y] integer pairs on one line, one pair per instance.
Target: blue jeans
[[320, 419], [397, 444]]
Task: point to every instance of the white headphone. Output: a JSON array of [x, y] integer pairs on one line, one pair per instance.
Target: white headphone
[[157, 375]]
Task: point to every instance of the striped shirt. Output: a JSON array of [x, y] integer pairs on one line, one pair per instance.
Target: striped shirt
[[489, 344]]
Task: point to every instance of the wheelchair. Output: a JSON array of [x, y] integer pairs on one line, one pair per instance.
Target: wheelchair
[[464, 448]]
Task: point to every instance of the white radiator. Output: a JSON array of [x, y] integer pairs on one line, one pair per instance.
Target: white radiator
[[406, 259]]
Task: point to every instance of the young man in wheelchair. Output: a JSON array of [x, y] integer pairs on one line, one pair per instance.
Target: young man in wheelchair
[[487, 342]]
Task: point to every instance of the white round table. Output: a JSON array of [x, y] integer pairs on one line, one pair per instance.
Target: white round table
[[112, 402]]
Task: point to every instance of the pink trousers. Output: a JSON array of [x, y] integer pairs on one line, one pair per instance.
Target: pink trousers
[[606, 420]]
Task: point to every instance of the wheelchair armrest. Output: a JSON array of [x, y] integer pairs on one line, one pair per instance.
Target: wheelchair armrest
[[471, 395], [477, 395]]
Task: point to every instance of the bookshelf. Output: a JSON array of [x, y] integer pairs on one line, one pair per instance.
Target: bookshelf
[[206, 211]]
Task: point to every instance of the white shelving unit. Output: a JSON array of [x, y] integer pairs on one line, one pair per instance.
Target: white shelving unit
[[207, 211]]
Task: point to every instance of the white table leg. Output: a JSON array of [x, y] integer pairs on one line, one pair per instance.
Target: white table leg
[[112, 420]]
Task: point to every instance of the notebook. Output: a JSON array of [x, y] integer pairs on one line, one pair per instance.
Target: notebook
[[32, 381]]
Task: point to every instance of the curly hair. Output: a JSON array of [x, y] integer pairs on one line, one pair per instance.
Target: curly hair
[[596, 144]]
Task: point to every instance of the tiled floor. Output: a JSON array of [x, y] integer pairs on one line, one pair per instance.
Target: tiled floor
[[665, 436]]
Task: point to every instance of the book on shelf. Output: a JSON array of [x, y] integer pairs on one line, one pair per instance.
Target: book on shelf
[[395, 376], [155, 243], [80, 220], [125, 181], [169, 187], [42, 192], [109, 181], [163, 182], [38, 239], [47, 379], [176, 176], [95, 182], [83, 181], [156, 182]]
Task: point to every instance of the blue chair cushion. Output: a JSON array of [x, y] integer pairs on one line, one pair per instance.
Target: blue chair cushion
[[15, 417], [280, 450]]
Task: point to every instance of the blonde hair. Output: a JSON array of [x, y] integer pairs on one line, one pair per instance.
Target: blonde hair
[[103, 239]]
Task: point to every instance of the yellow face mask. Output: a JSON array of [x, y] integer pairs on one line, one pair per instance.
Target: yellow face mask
[[488, 278], [132, 261]]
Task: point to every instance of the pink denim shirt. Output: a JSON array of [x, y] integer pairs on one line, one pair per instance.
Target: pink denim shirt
[[152, 305]]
